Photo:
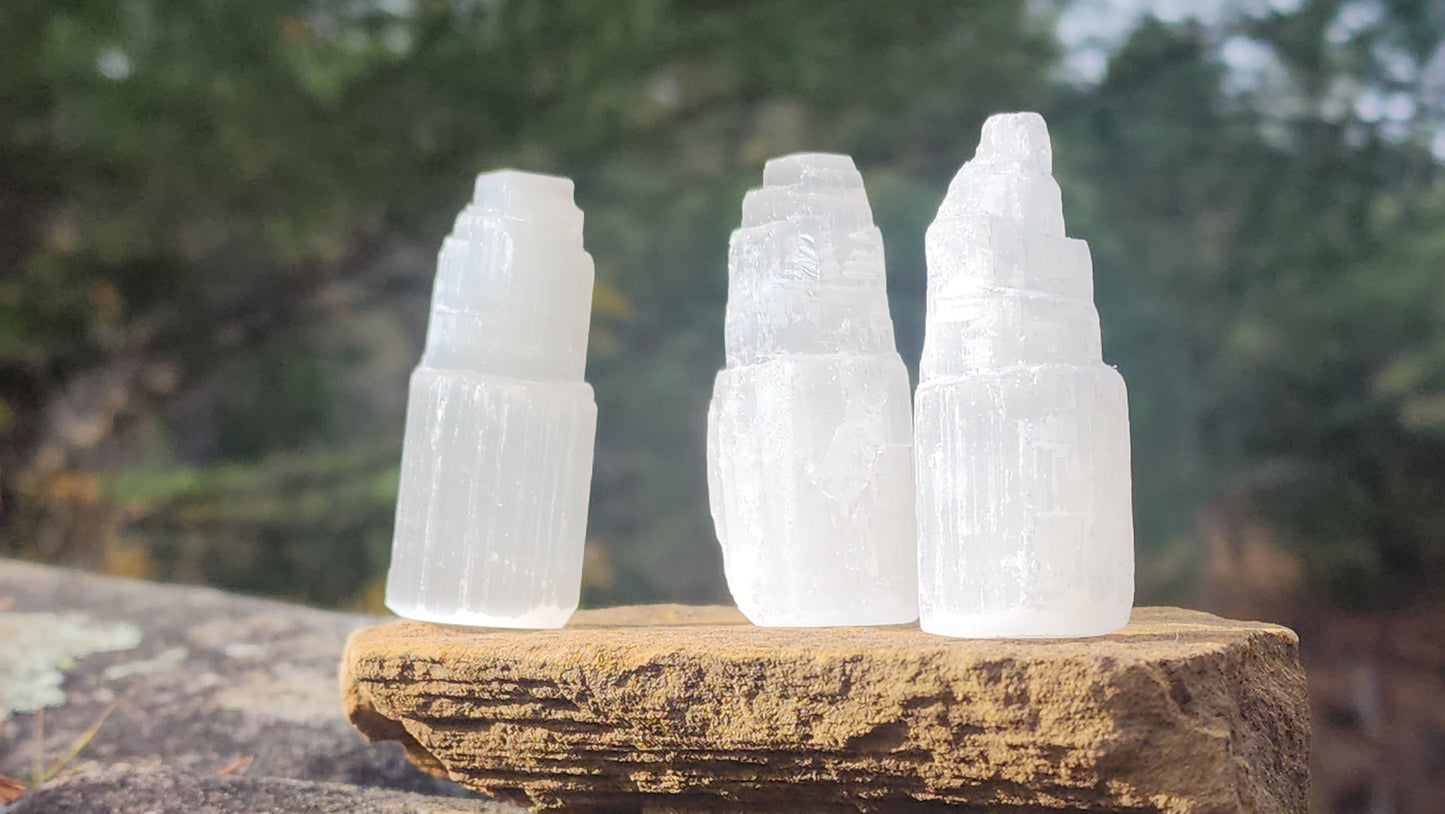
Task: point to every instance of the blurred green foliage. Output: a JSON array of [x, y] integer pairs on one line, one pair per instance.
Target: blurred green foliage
[[218, 218]]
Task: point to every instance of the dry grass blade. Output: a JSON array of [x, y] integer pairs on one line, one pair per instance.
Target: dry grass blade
[[236, 766], [38, 768], [75, 747]]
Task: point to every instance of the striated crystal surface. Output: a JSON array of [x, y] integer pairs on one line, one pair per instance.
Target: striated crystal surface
[[1025, 524], [810, 430], [497, 458]]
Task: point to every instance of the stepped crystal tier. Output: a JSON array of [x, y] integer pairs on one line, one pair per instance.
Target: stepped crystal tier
[[809, 432], [497, 458], [1022, 432]]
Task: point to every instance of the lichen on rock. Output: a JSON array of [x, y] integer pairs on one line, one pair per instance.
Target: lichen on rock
[[36, 649], [206, 702]]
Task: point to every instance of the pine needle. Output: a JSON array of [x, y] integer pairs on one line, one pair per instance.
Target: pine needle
[[236, 766]]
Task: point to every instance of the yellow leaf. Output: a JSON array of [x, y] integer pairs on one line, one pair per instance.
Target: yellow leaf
[[75, 487], [372, 598], [122, 557], [609, 303]]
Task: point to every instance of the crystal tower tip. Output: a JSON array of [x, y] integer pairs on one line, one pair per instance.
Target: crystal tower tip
[[517, 189], [805, 268], [526, 197], [513, 291], [798, 168], [1009, 178], [1017, 138]]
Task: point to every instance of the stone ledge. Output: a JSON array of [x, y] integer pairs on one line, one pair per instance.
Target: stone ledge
[[673, 708]]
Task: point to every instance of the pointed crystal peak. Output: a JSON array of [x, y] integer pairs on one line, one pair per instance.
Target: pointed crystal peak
[[1021, 138], [1009, 178], [1006, 288]]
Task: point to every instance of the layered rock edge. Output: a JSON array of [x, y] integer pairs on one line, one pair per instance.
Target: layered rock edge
[[662, 708]]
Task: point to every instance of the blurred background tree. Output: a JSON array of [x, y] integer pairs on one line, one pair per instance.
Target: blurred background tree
[[218, 224], [223, 220]]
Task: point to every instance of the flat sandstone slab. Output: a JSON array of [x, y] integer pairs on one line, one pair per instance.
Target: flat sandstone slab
[[671, 708]]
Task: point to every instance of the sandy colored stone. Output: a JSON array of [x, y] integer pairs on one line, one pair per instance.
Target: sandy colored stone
[[670, 708]]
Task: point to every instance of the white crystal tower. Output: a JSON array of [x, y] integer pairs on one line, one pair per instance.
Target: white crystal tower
[[1025, 526], [810, 431], [497, 458]]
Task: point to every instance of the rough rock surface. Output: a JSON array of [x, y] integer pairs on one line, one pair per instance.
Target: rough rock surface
[[222, 692], [670, 708], [159, 790]]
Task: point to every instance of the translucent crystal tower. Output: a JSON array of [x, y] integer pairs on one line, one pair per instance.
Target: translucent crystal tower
[[497, 457], [810, 431], [1022, 432]]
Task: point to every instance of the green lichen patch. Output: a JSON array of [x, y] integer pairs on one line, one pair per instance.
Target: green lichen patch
[[36, 649]]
